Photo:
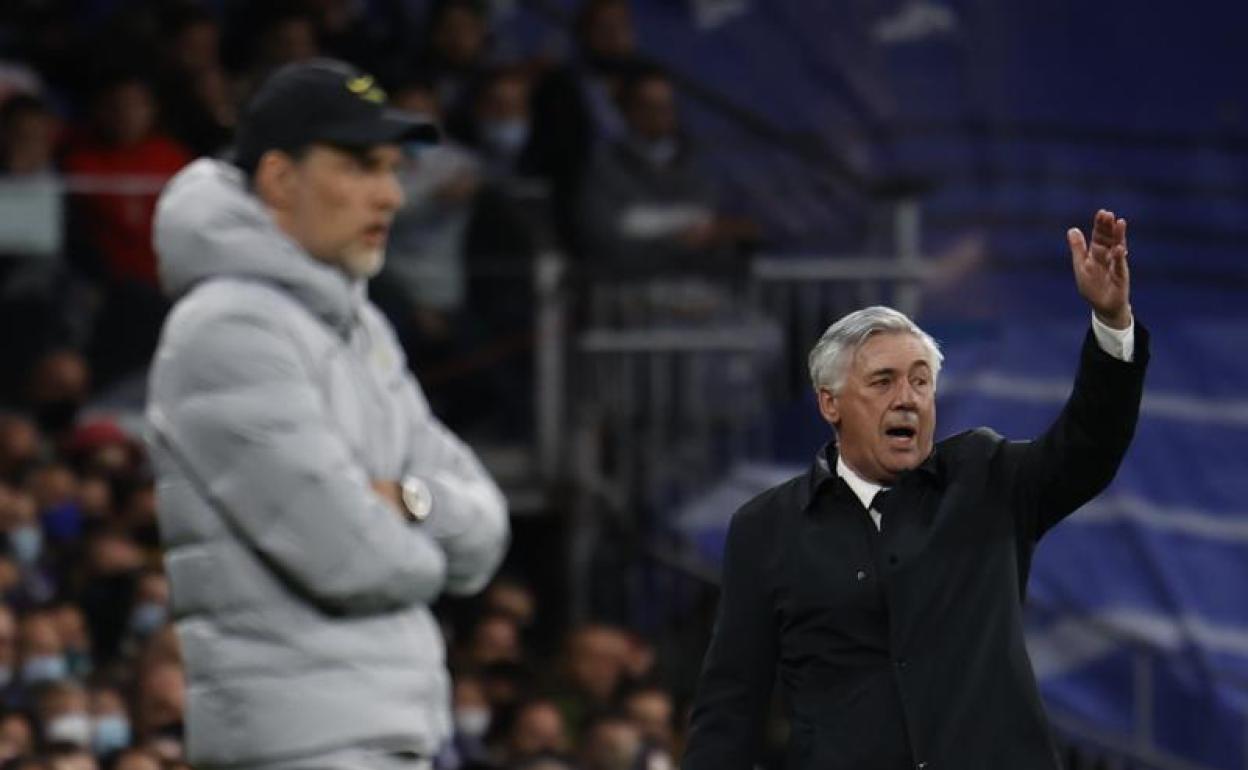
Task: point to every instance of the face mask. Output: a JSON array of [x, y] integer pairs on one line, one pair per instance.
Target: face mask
[[147, 618], [110, 733], [26, 544], [657, 152], [44, 668], [506, 137], [70, 728], [78, 662], [472, 722]]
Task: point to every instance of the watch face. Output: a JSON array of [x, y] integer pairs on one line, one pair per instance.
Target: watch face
[[416, 498]]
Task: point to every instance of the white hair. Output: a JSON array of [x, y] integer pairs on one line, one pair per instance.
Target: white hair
[[831, 356]]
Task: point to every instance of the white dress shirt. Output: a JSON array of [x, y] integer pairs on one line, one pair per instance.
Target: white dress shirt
[[1119, 343]]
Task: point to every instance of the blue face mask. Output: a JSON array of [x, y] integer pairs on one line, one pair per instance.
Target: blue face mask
[[26, 543], [44, 668], [147, 618], [110, 733], [506, 137]]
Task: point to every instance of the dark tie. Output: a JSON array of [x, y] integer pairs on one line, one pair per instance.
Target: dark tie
[[880, 500]]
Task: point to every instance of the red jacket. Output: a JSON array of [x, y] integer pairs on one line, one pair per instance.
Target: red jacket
[[119, 224]]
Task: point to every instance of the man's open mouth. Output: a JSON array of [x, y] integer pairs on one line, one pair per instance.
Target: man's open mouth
[[901, 432]]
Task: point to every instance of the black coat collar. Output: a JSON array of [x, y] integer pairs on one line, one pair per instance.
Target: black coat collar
[[823, 473]]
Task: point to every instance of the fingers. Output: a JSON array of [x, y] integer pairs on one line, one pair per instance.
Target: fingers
[[1118, 262], [1078, 246], [1103, 235]]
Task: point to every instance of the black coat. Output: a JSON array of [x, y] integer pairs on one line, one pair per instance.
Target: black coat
[[903, 648]]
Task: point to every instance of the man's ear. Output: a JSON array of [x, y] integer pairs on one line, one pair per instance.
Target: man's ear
[[274, 179], [829, 409]]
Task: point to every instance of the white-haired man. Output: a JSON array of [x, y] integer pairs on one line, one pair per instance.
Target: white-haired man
[[883, 588]]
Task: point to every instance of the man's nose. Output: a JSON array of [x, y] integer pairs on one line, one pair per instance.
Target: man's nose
[[390, 193], [906, 397]]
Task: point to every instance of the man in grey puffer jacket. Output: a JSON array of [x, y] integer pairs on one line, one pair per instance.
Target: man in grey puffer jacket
[[310, 505]]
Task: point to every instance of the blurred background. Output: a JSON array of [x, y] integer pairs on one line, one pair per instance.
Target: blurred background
[[607, 280]]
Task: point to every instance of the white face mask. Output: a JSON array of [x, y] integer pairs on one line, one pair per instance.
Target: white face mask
[[111, 733], [45, 668], [657, 152], [26, 543], [70, 728], [472, 721]]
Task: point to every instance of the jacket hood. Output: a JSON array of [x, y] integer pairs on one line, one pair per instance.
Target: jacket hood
[[208, 224]]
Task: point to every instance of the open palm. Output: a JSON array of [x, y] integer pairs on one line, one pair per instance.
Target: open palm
[[1101, 271]]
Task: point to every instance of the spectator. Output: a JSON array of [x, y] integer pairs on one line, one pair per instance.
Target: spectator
[[9, 661], [287, 35], [21, 527], [58, 386], [538, 728], [42, 650], [110, 722], [647, 209], [455, 50], [19, 447], [650, 708], [151, 604], [512, 598], [195, 92], [70, 756], [574, 107], [35, 314], [501, 123], [473, 717], [594, 660], [17, 734], [108, 579], [28, 132], [138, 759], [192, 39], [425, 270], [495, 639], [123, 144], [543, 762], [71, 625], [355, 32], [63, 711], [125, 159], [161, 707], [611, 742]]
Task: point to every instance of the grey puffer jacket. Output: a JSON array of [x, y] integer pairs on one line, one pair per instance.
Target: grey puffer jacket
[[277, 395]]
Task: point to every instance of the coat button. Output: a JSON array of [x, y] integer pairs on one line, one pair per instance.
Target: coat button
[[921, 766], [902, 663], [892, 559], [862, 575]]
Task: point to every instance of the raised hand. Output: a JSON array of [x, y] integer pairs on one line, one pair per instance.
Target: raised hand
[[1101, 271]]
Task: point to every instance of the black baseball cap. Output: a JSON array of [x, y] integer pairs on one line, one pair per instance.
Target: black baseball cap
[[322, 100]]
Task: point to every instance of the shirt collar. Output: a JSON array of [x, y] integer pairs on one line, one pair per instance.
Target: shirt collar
[[864, 490], [823, 472]]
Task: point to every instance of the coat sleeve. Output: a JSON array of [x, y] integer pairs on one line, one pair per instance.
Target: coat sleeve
[[738, 674], [234, 405], [1079, 454], [469, 517]]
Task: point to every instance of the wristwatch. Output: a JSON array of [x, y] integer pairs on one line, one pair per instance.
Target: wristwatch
[[416, 498]]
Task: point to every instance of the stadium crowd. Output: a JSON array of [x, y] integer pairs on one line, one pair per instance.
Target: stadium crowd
[[100, 103]]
